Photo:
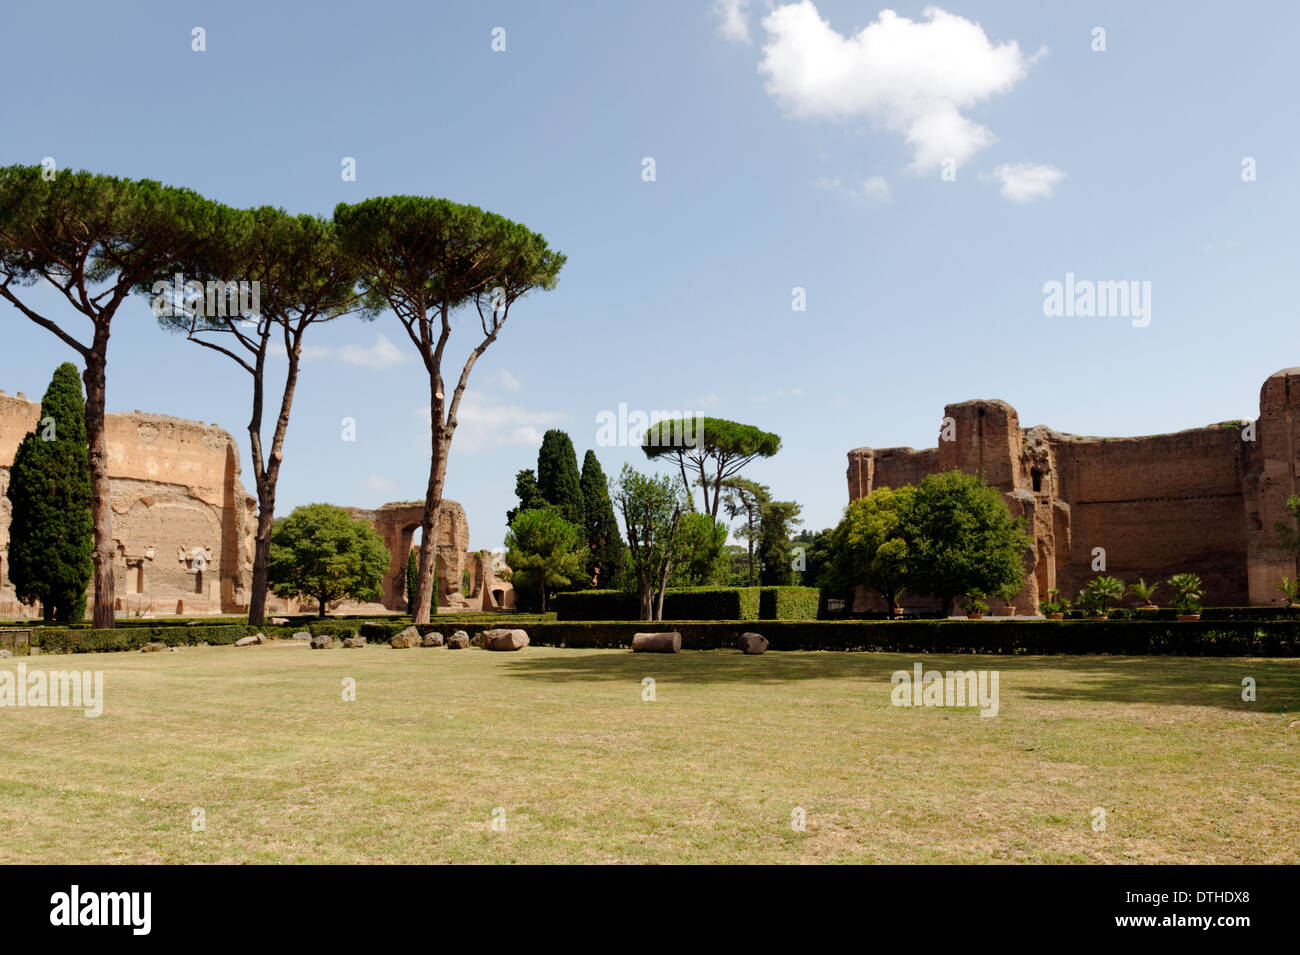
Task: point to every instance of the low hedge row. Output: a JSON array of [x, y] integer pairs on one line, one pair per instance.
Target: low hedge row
[[1136, 638], [65, 640], [694, 603]]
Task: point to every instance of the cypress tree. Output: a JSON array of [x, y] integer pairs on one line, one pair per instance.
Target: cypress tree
[[557, 476], [608, 552], [530, 496], [51, 535]]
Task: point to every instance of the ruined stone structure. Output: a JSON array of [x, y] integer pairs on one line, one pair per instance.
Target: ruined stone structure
[[183, 524], [1203, 500]]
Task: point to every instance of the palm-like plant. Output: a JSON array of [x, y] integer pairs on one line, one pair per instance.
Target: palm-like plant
[[1187, 592], [1290, 589], [1100, 591], [1144, 592]]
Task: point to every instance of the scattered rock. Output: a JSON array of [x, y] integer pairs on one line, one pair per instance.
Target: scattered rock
[[154, 647], [302, 635], [410, 637], [354, 642], [458, 641], [6, 654], [505, 639], [322, 641], [477, 639], [753, 643], [669, 642], [251, 640], [279, 621], [431, 639]]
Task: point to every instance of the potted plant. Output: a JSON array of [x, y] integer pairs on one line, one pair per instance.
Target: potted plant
[[1187, 592], [1291, 590], [1054, 608], [1144, 592], [1098, 593], [975, 607], [1007, 593]]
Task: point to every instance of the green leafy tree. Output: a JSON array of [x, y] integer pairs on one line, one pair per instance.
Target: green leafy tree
[[745, 498], [558, 478], [93, 239], [817, 555], [652, 510], [303, 279], [867, 547], [608, 552], [426, 259], [774, 549], [544, 548], [961, 538], [321, 552], [714, 448], [702, 556], [529, 494], [51, 535]]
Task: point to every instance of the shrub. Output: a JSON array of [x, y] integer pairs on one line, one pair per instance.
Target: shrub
[[1133, 637], [65, 640], [788, 603], [680, 603]]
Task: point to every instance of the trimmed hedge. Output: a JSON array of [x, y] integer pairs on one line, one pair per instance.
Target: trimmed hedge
[[65, 640], [1203, 638], [788, 603], [691, 603]]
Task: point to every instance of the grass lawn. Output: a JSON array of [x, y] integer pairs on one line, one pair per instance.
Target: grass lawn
[[586, 771]]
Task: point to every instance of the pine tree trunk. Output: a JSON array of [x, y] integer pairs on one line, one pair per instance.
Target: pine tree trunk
[[100, 510], [261, 566], [429, 526]]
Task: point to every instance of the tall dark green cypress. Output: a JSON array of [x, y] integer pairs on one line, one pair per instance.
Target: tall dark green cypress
[[608, 552], [51, 536], [557, 476]]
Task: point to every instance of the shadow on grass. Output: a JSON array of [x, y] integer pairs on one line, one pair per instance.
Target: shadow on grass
[[1184, 681]]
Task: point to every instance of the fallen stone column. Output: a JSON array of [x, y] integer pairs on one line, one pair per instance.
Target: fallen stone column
[[670, 642]]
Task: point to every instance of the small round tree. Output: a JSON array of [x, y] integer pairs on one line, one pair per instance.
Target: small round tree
[[545, 549], [321, 552], [867, 547], [961, 537]]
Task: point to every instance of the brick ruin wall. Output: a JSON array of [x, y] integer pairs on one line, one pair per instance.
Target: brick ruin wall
[[182, 521], [178, 505], [1203, 500]]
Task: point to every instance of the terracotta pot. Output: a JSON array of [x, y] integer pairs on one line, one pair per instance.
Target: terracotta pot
[[898, 611], [1149, 607], [1188, 617], [1095, 619], [974, 616], [1007, 612], [1056, 616]]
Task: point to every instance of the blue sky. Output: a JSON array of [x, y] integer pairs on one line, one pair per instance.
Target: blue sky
[[791, 149]]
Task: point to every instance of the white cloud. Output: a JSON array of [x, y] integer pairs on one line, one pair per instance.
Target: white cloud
[[874, 190], [912, 77], [382, 354], [484, 424], [734, 19], [1026, 181], [377, 482], [503, 379]]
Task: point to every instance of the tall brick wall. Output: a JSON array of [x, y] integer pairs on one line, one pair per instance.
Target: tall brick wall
[[1203, 500]]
